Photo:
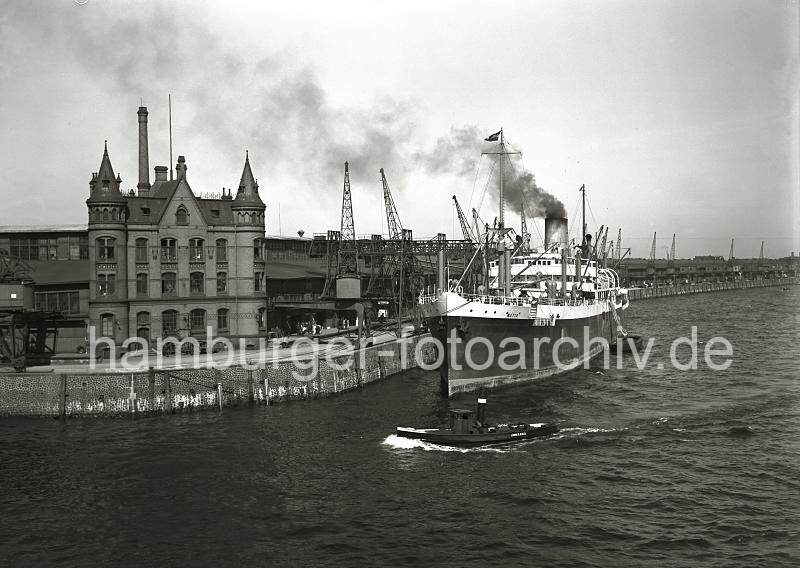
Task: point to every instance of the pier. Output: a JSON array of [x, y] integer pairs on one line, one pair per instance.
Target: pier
[[169, 391], [704, 287]]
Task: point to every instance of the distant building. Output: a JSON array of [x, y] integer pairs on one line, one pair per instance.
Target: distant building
[[164, 262]]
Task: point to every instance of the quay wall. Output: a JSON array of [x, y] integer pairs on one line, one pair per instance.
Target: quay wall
[[184, 390], [699, 288]]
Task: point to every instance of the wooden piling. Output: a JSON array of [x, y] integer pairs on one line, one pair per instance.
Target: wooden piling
[[62, 399]]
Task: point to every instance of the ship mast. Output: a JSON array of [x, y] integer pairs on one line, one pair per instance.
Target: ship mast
[[500, 154], [583, 212]]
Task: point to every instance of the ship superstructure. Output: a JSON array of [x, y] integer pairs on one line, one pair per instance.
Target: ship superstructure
[[532, 312]]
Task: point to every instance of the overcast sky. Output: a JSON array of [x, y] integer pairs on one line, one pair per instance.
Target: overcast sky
[[679, 116]]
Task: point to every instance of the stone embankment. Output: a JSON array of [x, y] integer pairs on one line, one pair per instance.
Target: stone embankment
[[682, 289]]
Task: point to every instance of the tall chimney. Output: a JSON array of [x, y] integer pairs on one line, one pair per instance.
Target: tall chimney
[[144, 161]]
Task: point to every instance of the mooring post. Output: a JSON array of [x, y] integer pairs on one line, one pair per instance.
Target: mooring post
[[219, 396], [62, 402]]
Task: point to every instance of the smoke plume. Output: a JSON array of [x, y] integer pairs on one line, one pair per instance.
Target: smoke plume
[[271, 103], [521, 190]]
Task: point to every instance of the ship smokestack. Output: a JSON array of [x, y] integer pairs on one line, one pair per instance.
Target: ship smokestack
[[555, 231], [481, 411], [144, 160]]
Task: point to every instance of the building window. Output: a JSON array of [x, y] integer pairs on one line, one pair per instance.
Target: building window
[[258, 281], [141, 284], [106, 284], [168, 284], [141, 250], [222, 282], [105, 248], [143, 325], [222, 319], [64, 302], [169, 250], [169, 322], [195, 249], [196, 283], [262, 318], [182, 216], [257, 250], [105, 214], [107, 325], [197, 319], [222, 250]]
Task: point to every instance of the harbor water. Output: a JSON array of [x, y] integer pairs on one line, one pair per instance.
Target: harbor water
[[652, 467]]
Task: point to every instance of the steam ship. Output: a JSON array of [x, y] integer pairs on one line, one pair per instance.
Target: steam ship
[[528, 301]]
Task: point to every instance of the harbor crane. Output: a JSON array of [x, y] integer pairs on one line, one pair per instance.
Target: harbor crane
[[468, 235], [392, 217], [672, 249], [526, 236], [653, 249], [619, 244]]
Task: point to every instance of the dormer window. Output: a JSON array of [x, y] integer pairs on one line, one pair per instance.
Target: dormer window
[[182, 216], [215, 212], [146, 211]]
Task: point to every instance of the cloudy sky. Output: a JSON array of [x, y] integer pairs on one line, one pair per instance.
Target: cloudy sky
[[679, 116]]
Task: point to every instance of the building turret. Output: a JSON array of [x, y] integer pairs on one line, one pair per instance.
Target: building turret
[[248, 187], [108, 273]]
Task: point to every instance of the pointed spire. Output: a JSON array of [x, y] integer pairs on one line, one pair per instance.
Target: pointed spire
[[248, 186], [108, 189]]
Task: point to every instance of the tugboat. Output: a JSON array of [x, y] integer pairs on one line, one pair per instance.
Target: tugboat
[[466, 430]]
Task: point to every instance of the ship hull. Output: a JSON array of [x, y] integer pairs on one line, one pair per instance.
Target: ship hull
[[485, 352]]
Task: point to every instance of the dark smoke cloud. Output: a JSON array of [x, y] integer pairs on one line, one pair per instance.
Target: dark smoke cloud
[[268, 103], [457, 153], [520, 188]]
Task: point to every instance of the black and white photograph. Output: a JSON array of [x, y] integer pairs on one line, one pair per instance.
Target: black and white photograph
[[493, 283]]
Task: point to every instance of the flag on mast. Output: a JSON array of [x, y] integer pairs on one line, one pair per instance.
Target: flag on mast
[[494, 137]]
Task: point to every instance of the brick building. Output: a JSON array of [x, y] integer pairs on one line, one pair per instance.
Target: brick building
[[164, 262]]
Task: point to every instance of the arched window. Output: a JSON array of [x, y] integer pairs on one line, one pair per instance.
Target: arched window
[[105, 214], [106, 284], [143, 325], [262, 318], [169, 322], [141, 250], [222, 282], [222, 250], [168, 284], [169, 250], [182, 216], [141, 284], [105, 248], [195, 249], [257, 247], [107, 325], [222, 319], [196, 283], [113, 214], [258, 281], [197, 320]]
